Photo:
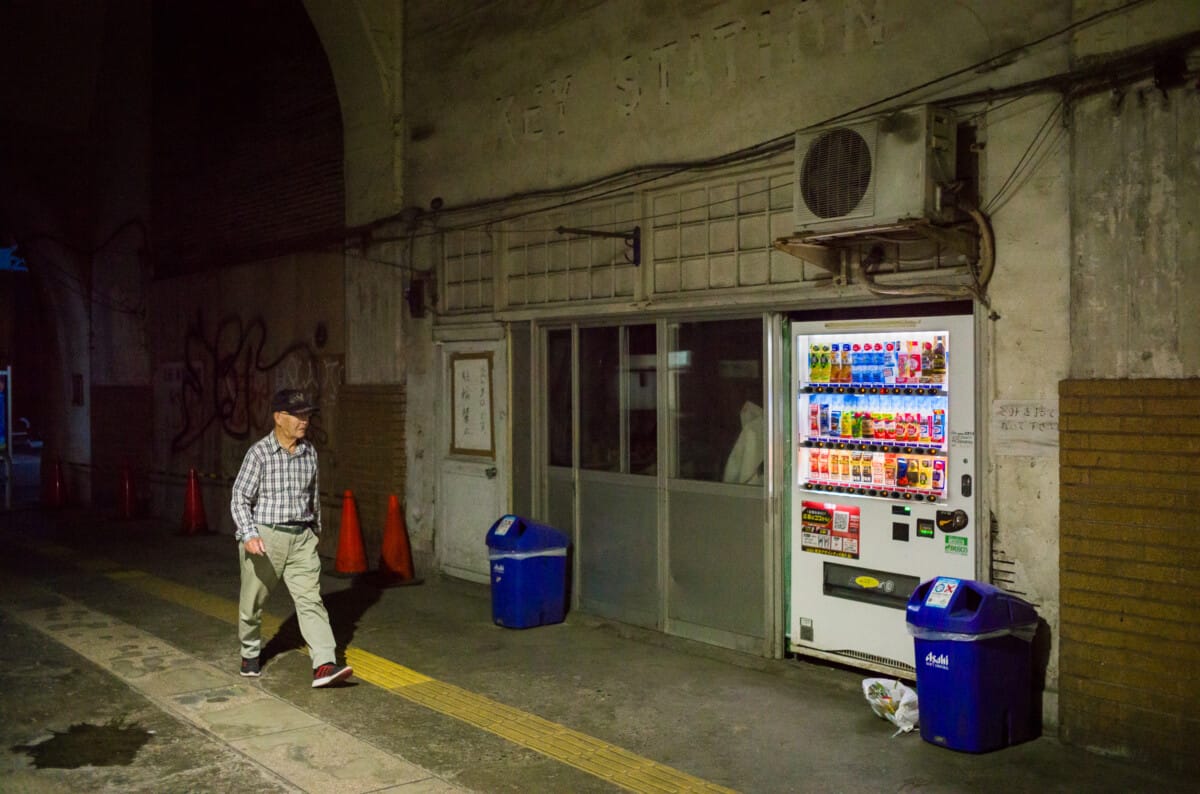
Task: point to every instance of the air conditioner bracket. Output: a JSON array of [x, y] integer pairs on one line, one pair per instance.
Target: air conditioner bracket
[[823, 256], [823, 250]]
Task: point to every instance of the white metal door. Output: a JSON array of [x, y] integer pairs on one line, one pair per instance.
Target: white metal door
[[473, 487]]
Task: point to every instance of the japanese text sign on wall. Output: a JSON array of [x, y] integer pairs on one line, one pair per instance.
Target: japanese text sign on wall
[[471, 404], [1025, 427]]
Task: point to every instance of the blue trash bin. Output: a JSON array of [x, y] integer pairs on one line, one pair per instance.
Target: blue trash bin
[[528, 564], [974, 659]]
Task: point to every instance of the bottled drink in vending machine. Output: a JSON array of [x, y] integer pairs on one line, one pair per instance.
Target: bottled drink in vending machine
[[868, 425], [914, 362], [847, 428], [835, 364], [938, 367]]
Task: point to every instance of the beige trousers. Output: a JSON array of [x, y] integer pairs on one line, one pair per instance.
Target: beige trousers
[[292, 558]]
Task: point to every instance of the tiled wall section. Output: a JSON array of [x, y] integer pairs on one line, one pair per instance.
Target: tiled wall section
[[1130, 568]]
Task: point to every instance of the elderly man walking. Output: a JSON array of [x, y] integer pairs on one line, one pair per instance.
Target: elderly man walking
[[277, 512]]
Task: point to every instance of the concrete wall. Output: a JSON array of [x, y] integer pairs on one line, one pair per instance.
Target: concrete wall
[[1027, 346], [510, 96], [223, 342], [1137, 187]]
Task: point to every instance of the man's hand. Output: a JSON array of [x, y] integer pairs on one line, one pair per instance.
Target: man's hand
[[254, 546]]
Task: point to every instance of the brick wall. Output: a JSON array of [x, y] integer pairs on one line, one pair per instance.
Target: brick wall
[[1130, 569], [369, 461]]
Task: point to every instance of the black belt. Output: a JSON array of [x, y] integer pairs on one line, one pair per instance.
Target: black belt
[[292, 528]]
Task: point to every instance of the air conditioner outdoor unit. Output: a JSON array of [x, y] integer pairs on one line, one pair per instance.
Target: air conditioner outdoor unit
[[875, 173]]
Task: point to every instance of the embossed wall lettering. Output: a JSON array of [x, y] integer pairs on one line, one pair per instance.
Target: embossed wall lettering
[[776, 43]]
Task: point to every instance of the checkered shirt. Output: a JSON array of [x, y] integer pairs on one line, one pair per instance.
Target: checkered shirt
[[274, 487]]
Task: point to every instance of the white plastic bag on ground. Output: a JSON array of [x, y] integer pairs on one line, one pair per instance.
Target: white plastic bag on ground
[[893, 701]]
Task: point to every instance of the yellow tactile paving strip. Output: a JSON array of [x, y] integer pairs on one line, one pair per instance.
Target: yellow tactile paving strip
[[608, 762]]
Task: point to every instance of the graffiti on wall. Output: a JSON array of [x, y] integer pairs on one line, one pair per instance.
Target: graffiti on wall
[[226, 380]]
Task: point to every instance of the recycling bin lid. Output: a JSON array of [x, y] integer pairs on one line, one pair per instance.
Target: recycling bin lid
[[967, 607], [515, 533]]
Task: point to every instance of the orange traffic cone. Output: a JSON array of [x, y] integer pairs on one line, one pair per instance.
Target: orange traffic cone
[[194, 520], [351, 557], [127, 496], [54, 487], [395, 558]]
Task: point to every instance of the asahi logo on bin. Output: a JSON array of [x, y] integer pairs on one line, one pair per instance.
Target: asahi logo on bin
[[940, 661]]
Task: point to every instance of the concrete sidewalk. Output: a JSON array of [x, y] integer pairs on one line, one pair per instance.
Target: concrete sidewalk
[[586, 706]]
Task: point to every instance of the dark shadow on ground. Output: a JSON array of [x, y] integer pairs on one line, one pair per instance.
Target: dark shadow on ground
[[345, 607]]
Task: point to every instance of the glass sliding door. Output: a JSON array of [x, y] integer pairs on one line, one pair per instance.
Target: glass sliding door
[[654, 449], [716, 535], [559, 434], [618, 493]]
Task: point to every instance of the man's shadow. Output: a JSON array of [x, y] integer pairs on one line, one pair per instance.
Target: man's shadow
[[345, 608]]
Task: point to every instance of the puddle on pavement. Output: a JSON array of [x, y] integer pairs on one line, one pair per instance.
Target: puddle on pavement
[[83, 744]]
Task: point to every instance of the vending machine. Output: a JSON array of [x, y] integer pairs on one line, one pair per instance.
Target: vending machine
[[883, 492]]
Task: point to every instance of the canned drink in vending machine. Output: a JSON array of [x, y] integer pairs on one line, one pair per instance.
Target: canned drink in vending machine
[[925, 466]]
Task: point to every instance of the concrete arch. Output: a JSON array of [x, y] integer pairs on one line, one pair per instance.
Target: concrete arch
[[363, 42]]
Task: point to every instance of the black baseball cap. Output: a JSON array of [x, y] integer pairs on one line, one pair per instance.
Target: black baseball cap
[[292, 401]]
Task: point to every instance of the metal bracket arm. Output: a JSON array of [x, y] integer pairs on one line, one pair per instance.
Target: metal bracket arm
[[633, 239]]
